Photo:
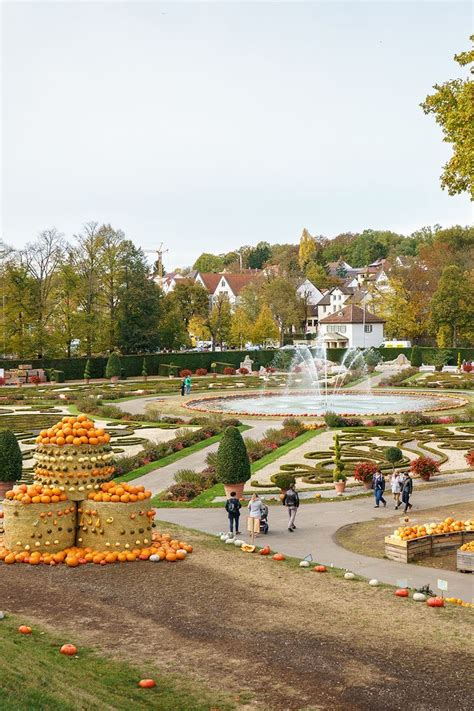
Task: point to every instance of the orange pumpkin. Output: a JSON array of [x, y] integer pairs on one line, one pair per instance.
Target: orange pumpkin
[[435, 602], [24, 629], [278, 556], [402, 592], [68, 649], [146, 683], [319, 568]]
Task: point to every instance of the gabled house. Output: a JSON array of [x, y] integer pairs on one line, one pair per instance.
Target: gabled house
[[352, 327], [229, 284]]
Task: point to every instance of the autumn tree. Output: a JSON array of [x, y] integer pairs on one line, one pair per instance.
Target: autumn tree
[[112, 268], [307, 249], [258, 256], [394, 305], [18, 310], [241, 328], [265, 328], [86, 258], [191, 299], [219, 320], [280, 295], [452, 105], [208, 263], [318, 275], [452, 305]]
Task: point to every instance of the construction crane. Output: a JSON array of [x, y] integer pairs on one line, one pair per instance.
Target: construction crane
[[159, 259]]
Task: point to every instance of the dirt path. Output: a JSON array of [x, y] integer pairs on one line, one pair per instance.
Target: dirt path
[[291, 638]]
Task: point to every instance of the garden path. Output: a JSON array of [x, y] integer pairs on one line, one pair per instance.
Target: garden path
[[317, 525]]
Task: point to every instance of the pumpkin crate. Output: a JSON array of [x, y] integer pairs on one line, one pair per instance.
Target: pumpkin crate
[[465, 562], [407, 551]]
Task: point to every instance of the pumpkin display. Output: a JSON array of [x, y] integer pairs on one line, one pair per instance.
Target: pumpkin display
[[468, 547], [24, 629], [278, 556], [247, 548], [449, 525], [435, 602], [265, 550], [44, 527], [320, 569], [69, 650], [458, 601], [401, 592], [115, 526], [147, 683]]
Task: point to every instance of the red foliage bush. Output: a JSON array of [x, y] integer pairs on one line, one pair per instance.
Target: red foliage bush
[[467, 367], [243, 371], [470, 458], [270, 369], [364, 471], [35, 379], [201, 371], [2, 381], [425, 467], [229, 371], [184, 373]]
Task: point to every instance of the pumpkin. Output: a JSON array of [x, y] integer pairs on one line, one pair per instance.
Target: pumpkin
[[265, 551], [229, 540], [435, 602], [319, 568], [180, 554], [278, 556], [171, 557], [349, 576], [146, 683], [247, 548], [69, 650], [401, 592], [304, 564], [2, 615], [155, 558], [374, 582], [224, 537], [419, 597], [238, 542], [24, 629]]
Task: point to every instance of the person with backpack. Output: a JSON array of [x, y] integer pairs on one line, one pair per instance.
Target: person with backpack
[[292, 501], [378, 485], [233, 506], [407, 490]]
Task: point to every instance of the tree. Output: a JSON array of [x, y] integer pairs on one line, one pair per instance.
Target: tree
[[280, 295], [338, 470], [67, 318], [318, 275], [219, 320], [452, 305], [208, 263], [251, 299], [258, 256], [191, 299], [113, 368], [366, 248], [307, 249], [452, 104], [416, 359], [233, 465], [113, 251], [11, 461], [241, 329], [394, 305], [172, 333], [265, 328], [393, 455], [198, 329], [88, 370], [140, 304], [19, 305], [86, 258]]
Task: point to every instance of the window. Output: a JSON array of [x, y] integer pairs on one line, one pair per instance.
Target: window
[[223, 283], [368, 328], [335, 328]]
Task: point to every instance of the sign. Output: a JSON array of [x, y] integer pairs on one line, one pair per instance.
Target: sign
[[308, 557], [443, 585]]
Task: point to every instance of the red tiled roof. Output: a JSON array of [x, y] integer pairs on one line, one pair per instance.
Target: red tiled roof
[[238, 281], [210, 280], [352, 314]]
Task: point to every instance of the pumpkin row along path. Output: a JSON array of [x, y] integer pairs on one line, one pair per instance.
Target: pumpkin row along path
[[315, 535]]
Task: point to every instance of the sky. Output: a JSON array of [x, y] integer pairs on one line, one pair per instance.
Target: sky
[[207, 126]]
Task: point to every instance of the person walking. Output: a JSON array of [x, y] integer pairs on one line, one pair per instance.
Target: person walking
[[378, 484], [396, 483], [187, 383], [292, 501], [255, 508], [407, 490], [183, 387], [233, 506]]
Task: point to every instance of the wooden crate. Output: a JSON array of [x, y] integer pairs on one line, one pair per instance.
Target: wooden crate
[[407, 551], [445, 542], [465, 561]]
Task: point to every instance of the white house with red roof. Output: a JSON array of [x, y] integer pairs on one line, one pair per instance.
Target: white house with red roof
[[352, 327]]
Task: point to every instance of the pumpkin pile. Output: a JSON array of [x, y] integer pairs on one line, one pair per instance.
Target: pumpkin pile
[[449, 525], [36, 494], [468, 547], [119, 492], [73, 431], [458, 601]]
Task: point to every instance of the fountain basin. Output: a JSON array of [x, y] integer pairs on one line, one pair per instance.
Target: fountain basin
[[307, 404]]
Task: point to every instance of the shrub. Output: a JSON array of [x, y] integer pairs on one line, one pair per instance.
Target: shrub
[[256, 449], [144, 369], [88, 370], [364, 471], [398, 378], [333, 420], [211, 461], [350, 422], [35, 379], [185, 373], [393, 455], [414, 419], [372, 358], [467, 367], [384, 421], [229, 371], [11, 461], [270, 369], [416, 360], [425, 467], [233, 466], [183, 492], [88, 404], [243, 371], [338, 471], [201, 371], [470, 458], [283, 480], [186, 476], [113, 368]]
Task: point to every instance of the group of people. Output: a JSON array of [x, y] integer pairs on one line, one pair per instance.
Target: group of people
[[402, 489], [257, 511], [186, 385]]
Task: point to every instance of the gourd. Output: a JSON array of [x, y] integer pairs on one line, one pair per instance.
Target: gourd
[[374, 582], [304, 564], [401, 592], [247, 548], [265, 550], [154, 558], [319, 568], [435, 602], [69, 650], [146, 683], [349, 576], [278, 556], [419, 597], [23, 629]]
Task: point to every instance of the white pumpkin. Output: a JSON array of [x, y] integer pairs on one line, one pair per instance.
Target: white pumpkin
[[238, 542], [349, 576], [2, 615], [224, 537], [229, 540], [154, 558], [304, 564], [374, 582], [181, 550], [419, 597]]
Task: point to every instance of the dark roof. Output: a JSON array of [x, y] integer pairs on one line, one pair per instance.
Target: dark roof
[[352, 314]]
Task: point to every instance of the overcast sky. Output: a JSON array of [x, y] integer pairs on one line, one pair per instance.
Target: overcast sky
[[211, 125]]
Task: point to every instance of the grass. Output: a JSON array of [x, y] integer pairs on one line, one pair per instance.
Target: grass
[[34, 676]]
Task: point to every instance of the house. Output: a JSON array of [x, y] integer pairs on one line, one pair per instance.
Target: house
[[352, 327], [309, 293], [230, 284]]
